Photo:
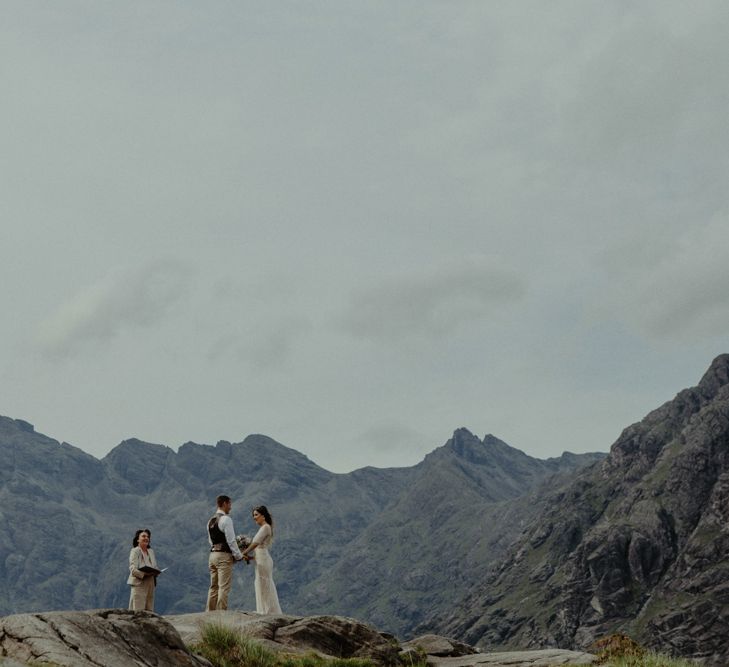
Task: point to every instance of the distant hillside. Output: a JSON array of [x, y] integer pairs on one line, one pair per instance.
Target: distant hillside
[[638, 543], [426, 546], [387, 545]]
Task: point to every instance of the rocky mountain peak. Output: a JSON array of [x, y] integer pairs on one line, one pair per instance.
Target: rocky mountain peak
[[641, 445], [137, 465], [9, 425], [468, 446], [464, 443], [716, 376], [6, 423]]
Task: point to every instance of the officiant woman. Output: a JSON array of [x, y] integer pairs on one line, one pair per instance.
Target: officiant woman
[[142, 584]]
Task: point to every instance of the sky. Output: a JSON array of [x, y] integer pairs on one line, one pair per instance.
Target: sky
[[357, 226]]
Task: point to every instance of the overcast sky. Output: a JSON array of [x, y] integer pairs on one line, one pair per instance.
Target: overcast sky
[[357, 226]]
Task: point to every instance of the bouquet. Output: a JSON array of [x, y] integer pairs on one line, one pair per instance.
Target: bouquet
[[243, 541]]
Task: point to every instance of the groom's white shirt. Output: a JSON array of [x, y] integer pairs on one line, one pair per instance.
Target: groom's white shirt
[[225, 523]]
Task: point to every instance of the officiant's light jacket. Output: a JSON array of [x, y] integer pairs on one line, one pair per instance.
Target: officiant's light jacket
[[136, 560]]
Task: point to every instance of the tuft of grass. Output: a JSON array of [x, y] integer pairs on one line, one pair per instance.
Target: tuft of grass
[[307, 660], [414, 658], [226, 647], [619, 650], [648, 659], [314, 660], [651, 659], [617, 645]]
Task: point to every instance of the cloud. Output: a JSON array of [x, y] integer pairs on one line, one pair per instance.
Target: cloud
[[121, 301], [262, 348], [263, 325], [433, 303], [395, 439], [651, 92], [683, 291]]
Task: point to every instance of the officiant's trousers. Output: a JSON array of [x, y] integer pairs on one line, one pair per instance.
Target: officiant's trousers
[[220, 565], [142, 595]]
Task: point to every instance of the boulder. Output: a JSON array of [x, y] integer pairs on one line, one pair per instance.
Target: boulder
[[328, 636], [439, 646], [540, 658], [339, 637], [95, 638]]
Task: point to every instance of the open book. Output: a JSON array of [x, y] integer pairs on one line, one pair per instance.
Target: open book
[[147, 569]]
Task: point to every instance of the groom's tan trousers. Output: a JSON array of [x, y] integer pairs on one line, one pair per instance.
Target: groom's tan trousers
[[220, 564]]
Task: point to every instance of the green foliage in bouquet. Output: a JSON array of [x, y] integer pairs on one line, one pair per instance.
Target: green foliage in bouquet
[[242, 541]]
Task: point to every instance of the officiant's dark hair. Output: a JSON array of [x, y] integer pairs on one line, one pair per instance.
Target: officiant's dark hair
[[135, 541], [221, 500], [262, 509]]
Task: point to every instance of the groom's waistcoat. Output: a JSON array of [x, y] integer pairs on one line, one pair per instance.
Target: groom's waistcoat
[[217, 536]]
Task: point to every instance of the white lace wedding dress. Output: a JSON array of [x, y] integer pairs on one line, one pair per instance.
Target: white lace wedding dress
[[266, 595]]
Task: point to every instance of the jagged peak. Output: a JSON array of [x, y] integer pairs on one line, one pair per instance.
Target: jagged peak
[[133, 448], [465, 444], [136, 443], [265, 442], [716, 376], [463, 434], [260, 439], [16, 424], [490, 439], [191, 444]]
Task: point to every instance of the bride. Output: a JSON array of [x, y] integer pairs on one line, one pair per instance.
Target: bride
[[266, 595]]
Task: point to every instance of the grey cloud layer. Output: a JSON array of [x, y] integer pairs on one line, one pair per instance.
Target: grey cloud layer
[[433, 303], [681, 291], [329, 173], [122, 301]]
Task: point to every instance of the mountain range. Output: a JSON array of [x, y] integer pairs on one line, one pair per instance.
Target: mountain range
[[478, 541], [385, 545]]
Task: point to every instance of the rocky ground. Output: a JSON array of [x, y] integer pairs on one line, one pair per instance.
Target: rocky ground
[[118, 637], [106, 637]]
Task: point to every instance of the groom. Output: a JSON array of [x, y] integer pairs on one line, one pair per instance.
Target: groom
[[223, 553]]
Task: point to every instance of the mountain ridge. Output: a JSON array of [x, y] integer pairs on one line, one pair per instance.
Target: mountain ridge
[[92, 506], [635, 544]]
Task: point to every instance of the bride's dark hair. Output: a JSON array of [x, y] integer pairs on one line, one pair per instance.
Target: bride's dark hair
[[263, 510]]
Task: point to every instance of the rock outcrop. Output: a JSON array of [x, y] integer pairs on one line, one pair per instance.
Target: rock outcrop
[[329, 636], [100, 638], [438, 646], [121, 638], [541, 658], [339, 637]]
